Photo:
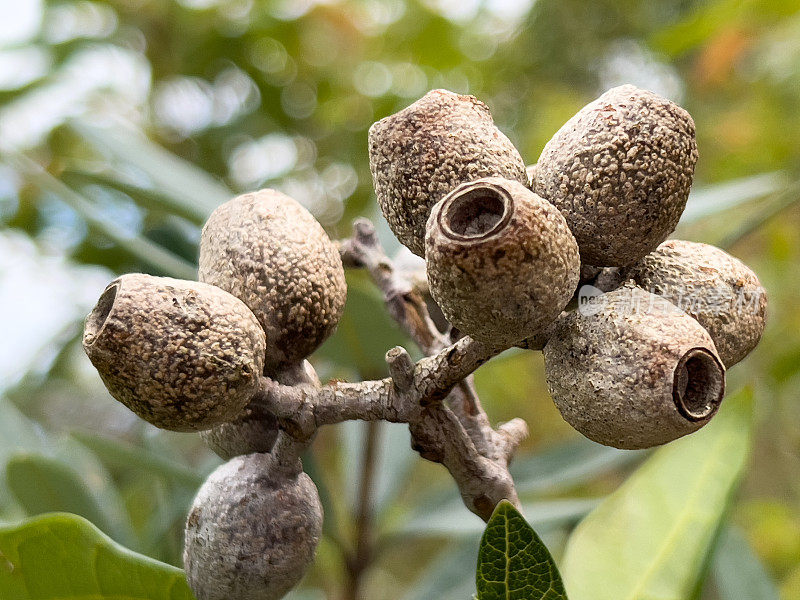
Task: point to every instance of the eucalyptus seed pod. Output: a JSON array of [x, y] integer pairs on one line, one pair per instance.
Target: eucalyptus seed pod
[[256, 428], [268, 251], [630, 370], [420, 154], [180, 354], [715, 288], [620, 170], [502, 263], [252, 531]]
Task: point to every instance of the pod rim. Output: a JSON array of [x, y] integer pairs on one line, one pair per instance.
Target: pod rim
[[465, 204], [698, 384]]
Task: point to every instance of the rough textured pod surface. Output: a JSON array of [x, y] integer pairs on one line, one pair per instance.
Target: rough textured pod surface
[[502, 263], [630, 370], [270, 252], [180, 354], [252, 531], [256, 429], [718, 290], [620, 170], [420, 154]]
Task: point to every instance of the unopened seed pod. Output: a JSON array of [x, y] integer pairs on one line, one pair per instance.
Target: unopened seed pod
[[252, 531], [620, 170], [502, 263], [718, 290], [255, 429], [420, 154], [630, 370], [180, 354], [270, 252]]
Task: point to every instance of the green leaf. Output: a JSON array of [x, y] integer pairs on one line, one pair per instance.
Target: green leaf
[[138, 246], [191, 190], [712, 200], [449, 576], [513, 563], [650, 538], [119, 454], [452, 519], [65, 557], [738, 572], [42, 484], [567, 465]]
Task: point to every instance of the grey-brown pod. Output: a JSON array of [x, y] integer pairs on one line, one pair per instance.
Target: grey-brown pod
[[420, 154], [270, 252], [255, 429], [252, 531], [180, 354], [620, 170], [628, 369], [718, 290], [502, 263]]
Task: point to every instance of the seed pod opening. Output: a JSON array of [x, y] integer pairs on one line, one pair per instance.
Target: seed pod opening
[[630, 370], [420, 154], [182, 355], [252, 531], [270, 252], [502, 262], [255, 429], [720, 291], [620, 170], [698, 384]]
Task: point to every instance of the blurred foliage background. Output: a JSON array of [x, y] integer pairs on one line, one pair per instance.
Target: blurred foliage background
[[124, 122]]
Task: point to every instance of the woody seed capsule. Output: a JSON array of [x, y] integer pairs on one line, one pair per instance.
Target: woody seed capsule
[[270, 252], [252, 531], [420, 154], [720, 291], [620, 170], [502, 263], [180, 354], [631, 370]]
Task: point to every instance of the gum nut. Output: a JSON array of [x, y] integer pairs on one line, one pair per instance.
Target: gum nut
[[180, 354], [256, 429], [270, 252], [420, 154], [718, 290], [252, 531], [502, 263], [630, 370], [620, 171]]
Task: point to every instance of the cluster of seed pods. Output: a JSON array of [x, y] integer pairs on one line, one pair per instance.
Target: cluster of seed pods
[[639, 363], [642, 359]]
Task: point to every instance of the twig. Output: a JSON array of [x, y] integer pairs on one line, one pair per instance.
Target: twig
[[361, 558], [434, 396]]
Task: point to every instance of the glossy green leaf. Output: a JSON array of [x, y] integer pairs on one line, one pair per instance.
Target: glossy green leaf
[[64, 557], [513, 563], [738, 573], [651, 537]]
